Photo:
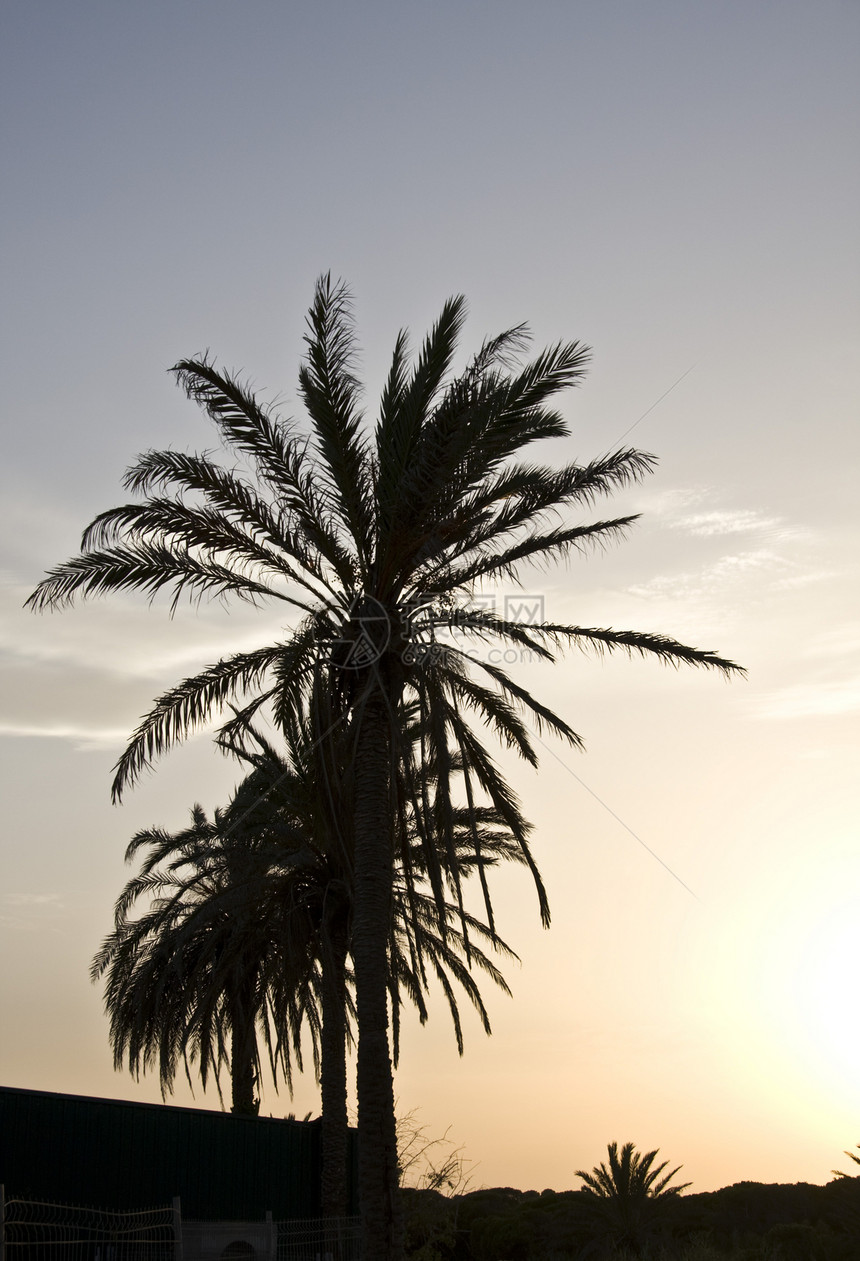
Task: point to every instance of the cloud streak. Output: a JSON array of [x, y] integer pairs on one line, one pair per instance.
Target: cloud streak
[[740, 521], [811, 700], [83, 738], [672, 507], [729, 569]]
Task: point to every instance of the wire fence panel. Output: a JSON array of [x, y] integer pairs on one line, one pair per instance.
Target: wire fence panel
[[319, 1239], [37, 1231]]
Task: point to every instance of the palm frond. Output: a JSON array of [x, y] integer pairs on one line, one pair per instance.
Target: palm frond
[[400, 436], [277, 450], [147, 567], [280, 456], [331, 391], [543, 717], [180, 711], [642, 644], [548, 547]]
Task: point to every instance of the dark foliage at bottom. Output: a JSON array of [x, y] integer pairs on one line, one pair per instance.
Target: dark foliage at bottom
[[749, 1220]]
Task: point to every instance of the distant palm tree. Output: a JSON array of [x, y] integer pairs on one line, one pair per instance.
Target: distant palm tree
[[628, 1194], [379, 539]]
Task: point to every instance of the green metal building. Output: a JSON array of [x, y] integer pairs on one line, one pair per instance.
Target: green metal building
[[74, 1149]]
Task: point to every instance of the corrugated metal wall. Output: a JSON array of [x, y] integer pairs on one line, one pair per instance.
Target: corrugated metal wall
[[74, 1149]]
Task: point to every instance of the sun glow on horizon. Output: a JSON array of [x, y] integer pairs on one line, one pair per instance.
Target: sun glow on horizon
[[794, 963]]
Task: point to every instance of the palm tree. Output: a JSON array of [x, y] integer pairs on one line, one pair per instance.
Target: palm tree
[[309, 894], [193, 977], [379, 540], [252, 904], [629, 1193]]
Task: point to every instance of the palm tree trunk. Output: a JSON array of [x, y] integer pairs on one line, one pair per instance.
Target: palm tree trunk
[[335, 1123], [382, 1216], [243, 1047]]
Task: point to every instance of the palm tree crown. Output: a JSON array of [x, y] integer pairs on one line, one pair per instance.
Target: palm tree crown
[[194, 977], [630, 1175]]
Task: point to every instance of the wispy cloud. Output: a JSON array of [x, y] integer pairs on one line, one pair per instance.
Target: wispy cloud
[[807, 700], [794, 582], [712, 578], [671, 503], [33, 899], [838, 641], [33, 912], [125, 637], [83, 738], [672, 507], [740, 521]]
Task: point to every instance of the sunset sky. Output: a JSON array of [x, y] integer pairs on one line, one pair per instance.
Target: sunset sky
[[675, 184]]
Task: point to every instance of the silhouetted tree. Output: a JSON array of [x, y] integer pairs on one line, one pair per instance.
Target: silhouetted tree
[[628, 1194], [309, 891], [379, 539], [250, 923], [190, 980]]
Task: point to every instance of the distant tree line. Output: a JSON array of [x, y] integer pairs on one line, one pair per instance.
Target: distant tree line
[[749, 1220]]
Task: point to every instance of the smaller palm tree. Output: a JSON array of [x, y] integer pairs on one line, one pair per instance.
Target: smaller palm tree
[[629, 1196], [196, 975]]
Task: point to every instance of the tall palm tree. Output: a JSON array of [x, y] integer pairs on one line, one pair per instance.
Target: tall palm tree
[[309, 892], [379, 539]]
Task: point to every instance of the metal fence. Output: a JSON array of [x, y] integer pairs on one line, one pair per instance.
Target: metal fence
[[307, 1239], [34, 1230], [319, 1239]]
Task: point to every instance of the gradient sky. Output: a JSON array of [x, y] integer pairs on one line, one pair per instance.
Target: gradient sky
[[677, 185]]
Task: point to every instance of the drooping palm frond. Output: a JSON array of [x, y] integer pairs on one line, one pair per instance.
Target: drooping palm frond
[[147, 567], [419, 940], [188, 706]]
